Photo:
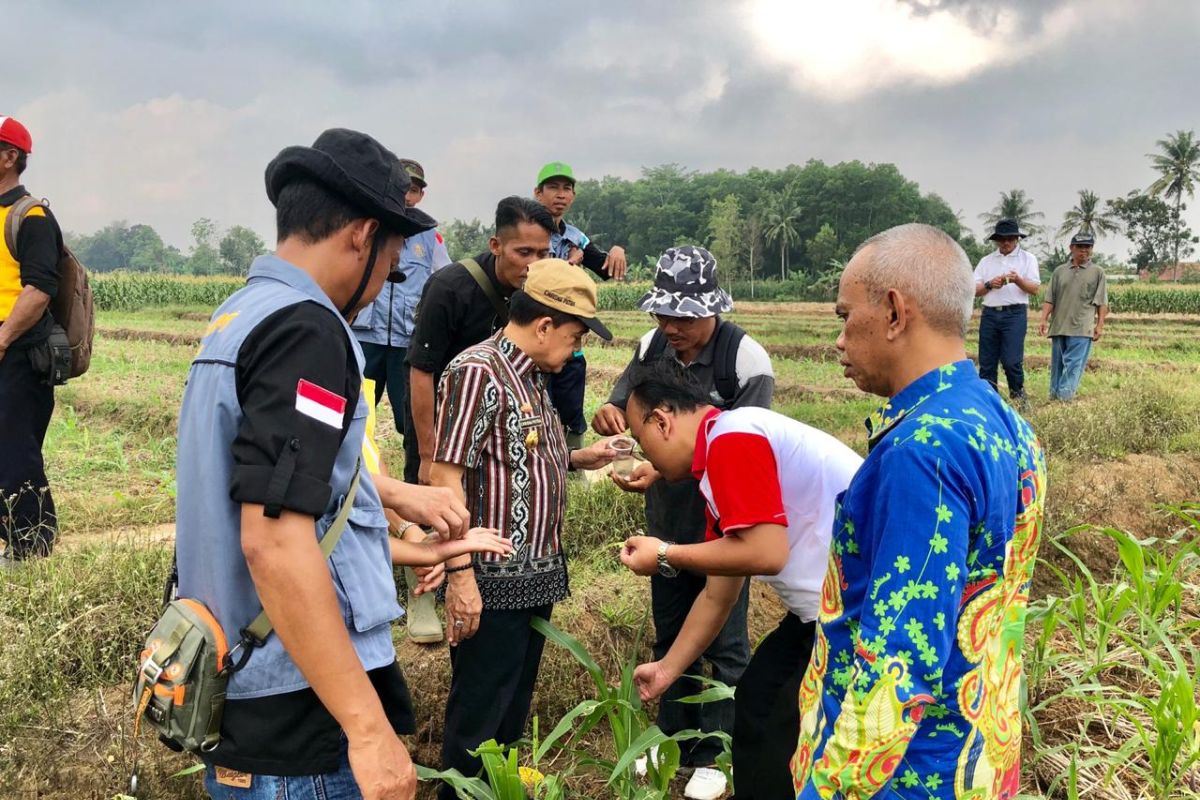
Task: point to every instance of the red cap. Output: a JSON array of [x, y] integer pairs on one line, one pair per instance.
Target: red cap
[[15, 134]]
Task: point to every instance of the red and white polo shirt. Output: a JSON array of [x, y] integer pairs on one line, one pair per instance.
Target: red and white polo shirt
[[759, 467]]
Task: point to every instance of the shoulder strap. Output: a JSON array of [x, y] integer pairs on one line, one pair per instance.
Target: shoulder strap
[[656, 347], [729, 339], [489, 289], [16, 215], [261, 627]]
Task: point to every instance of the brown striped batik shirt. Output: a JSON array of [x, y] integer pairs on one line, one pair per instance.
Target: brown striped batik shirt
[[495, 419]]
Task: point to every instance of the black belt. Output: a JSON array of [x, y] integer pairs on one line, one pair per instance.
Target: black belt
[[1012, 307]]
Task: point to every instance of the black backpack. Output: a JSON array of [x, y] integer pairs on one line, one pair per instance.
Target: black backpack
[[729, 339]]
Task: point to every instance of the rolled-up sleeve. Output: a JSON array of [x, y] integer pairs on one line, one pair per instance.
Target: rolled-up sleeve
[[298, 386]]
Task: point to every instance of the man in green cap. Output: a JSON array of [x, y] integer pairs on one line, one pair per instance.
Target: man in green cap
[[556, 192]]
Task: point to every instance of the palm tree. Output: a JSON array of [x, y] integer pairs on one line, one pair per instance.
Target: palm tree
[[1087, 217], [1178, 165], [1017, 206], [780, 225]]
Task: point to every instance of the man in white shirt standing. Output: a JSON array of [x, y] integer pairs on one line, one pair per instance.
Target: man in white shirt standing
[[1005, 280]]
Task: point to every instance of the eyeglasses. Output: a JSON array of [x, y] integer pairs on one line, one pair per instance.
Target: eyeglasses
[[679, 322]]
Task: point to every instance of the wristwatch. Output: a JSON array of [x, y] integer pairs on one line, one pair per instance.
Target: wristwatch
[[665, 569]]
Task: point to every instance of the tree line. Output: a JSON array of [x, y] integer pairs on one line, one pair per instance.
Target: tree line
[[139, 248], [799, 223]]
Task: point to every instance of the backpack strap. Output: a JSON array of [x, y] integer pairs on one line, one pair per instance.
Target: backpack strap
[[488, 287], [16, 215], [256, 633], [729, 339]]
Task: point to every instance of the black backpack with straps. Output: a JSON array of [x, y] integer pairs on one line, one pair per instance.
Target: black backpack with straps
[[729, 339]]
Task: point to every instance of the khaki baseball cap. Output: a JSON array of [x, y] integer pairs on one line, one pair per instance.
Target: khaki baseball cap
[[565, 287]]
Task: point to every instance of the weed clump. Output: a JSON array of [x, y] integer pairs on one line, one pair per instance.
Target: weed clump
[[1142, 418]]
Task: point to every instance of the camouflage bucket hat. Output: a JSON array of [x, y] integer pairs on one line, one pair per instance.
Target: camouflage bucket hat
[[685, 285]]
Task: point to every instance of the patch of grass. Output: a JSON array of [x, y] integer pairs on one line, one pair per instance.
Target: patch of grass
[[1147, 416]]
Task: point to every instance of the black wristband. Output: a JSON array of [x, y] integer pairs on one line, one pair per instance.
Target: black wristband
[[468, 565]]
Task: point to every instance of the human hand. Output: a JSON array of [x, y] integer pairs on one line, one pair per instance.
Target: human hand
[[382, 767], [575, 256], [652, 680], [594, 456], [609, 420], [616, 265], [429, 578], [1011, 277], [643, 475], [640, 554], [996, 282], [1096, 333], [463, 605], [435, 506], [1042, 328]]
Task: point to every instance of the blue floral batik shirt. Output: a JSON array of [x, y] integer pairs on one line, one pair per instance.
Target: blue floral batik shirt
[[914, 682]]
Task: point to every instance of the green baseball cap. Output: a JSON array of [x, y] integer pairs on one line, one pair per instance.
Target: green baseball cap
[[555, 169]]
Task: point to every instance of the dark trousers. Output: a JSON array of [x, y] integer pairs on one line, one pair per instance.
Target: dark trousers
[[566, 393], [766, 721], [386, 366], [672, 599], [28, 522], [491, 687], [1002, 340]]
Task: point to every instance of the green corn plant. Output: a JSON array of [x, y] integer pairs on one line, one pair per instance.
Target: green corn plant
[[1157, 579], [505, 778], [628, 727], [1167, 726], [1088, 599]]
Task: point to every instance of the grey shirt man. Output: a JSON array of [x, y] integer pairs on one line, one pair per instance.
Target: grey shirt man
[[1077, 293], [675, 510]]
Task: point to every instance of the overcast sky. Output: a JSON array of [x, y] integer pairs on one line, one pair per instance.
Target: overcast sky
[[163, 112]]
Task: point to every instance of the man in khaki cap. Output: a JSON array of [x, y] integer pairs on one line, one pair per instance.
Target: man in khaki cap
[[501, 447]]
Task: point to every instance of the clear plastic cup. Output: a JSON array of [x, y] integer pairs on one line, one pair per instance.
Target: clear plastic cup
[[624, 463]]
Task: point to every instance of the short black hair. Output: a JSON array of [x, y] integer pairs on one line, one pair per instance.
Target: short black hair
[[22, 156], [664, 383], [305, 208], [514, 210], [523, 310]]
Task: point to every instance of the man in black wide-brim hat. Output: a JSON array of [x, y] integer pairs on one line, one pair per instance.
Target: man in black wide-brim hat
[[270, 436], [1006, 279]]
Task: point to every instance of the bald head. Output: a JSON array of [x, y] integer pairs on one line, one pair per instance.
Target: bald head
[[925, 265]]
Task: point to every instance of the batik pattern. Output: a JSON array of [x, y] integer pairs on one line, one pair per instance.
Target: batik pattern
[[913, 688]]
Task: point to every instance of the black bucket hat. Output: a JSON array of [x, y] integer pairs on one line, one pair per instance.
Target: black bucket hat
[[1007, 227], [357, 168]]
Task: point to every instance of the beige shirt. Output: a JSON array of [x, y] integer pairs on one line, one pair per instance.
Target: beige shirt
[[1076, 294]]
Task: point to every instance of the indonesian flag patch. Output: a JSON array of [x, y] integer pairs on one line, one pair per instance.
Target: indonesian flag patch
[[320, 404]]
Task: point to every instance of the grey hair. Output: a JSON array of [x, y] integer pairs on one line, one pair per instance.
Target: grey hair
[[927, 266]]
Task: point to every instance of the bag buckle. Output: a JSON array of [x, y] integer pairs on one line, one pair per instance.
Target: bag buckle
[[151, 671]]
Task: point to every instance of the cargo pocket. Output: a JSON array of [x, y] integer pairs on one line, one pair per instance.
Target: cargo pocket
[[362, 570]]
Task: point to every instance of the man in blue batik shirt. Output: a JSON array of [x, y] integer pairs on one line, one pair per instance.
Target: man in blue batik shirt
[[385, 327], [914, 684]]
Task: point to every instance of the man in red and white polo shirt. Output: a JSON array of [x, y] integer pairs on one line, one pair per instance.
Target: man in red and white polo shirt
[[770, 484]]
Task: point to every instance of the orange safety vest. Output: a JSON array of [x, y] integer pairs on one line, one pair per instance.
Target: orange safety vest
[[10, 268]]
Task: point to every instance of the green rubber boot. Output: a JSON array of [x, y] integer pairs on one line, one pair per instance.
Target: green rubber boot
[[422, 621]]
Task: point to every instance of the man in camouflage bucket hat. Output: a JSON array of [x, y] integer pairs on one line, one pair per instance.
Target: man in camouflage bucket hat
[[734, 371], [685, 285]]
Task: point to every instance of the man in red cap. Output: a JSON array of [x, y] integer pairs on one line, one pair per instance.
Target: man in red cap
[[28, 282]]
